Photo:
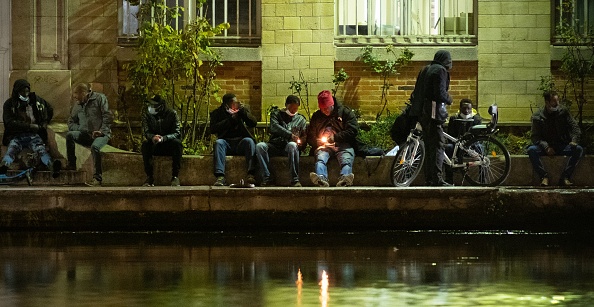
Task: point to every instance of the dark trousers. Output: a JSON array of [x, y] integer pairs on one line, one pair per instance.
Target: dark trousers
[[574, 153], [434, 149], [85, 139], [171, 148]]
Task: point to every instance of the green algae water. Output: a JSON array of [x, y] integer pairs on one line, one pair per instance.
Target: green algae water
[[296, 269]]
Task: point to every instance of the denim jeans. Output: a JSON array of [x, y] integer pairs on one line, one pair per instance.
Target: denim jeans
[[85, 139], [574, 153], [223, 147], [26, 140], [171, 148], [266, 150], [344, 153]]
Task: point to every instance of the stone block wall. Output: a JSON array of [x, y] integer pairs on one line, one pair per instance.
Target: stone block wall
[[513, 53]]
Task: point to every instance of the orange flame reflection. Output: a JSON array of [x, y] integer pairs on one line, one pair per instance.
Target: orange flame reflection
[[299, 283], [324, 289]]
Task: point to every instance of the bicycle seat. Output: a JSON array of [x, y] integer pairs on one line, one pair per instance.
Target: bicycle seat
[[479, 129]]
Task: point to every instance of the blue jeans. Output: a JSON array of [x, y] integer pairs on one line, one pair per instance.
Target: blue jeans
[[574, 153], [344, 153], [266, 150], [85, 139], [222, 147], [29, 140]]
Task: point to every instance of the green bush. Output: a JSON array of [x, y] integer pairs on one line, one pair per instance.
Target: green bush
[[515, 144], [378, 134]]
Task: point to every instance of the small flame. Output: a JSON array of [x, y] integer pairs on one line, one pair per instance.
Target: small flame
[[324, 139], [299, 280], [493, 153], [324, 289], [298, 141], [299, 283]]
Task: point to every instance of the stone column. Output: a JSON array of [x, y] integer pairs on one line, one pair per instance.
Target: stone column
[[296, 37], [513, 53]]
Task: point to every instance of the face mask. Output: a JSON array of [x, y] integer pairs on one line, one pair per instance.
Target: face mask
[[555, 109], [466, 116], [289, 113], [152, 110], [24, 99], [231, 111]]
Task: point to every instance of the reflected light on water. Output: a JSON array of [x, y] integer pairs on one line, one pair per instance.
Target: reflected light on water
[[324, 289], [299, 283]]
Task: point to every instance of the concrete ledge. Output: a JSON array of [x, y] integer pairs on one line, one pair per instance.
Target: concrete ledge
[[125, 169], [295, 209]]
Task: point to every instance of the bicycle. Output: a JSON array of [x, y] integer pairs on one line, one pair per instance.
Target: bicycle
[[484, 160]]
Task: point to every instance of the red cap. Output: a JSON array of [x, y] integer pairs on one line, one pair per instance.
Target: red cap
[[325, 99]]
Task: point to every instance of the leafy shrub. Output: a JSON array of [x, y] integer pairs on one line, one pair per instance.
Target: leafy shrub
[[378, 134]]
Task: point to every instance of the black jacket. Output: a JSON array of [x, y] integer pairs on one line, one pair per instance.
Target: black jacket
[[15, 119], [342, 121], [283, 126], [554, 129], [433, 83], [165, 123], [226, 127]]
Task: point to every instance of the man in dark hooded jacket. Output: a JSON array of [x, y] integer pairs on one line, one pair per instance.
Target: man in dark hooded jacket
[[161, 130], [332, 131], [229, 123], [429, 100], [26, 117]]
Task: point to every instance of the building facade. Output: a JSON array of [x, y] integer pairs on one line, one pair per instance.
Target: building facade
[[500, 48]]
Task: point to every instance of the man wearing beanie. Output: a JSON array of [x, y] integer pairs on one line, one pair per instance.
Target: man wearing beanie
[[332, 131], [26, 117], [287, 137]]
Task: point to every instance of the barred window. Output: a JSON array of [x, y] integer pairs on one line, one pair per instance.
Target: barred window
[[242, 15], [578, 14], [385, 18]]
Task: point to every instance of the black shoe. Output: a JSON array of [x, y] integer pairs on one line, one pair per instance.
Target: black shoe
[[149, 182], [442, 183], [220, 181], [250, 179], [175, 182], [56, 167], [3, 169]]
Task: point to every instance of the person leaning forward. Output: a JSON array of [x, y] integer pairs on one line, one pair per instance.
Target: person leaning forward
[[287, 132], [332, 131], [554, 133], [161, 130], [89, 125], [229, 122]]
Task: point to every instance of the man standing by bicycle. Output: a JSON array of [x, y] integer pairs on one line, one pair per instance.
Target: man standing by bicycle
[[554, 132], [429, 100]]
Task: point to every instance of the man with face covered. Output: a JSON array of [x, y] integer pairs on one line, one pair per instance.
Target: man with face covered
[[26, 117], [89, 125], [161, 129], [230, 122], [554, 132], [287, 131], [430, 98], [332, 131]]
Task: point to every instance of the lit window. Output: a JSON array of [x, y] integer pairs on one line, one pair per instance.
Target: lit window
[[242, 15], [404, 17]]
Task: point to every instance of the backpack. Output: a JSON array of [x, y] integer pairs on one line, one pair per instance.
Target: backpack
[[402, 125]]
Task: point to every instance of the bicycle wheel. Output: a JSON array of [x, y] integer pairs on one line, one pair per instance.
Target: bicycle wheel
[[494, 159], [407, 164]]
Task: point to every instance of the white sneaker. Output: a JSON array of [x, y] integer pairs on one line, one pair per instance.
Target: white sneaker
[[319, 180], [346, 180]]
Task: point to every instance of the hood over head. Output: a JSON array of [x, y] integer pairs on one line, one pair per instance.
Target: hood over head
[[444, 58], [18, 86]]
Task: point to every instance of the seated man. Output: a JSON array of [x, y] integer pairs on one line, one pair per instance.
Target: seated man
[[554, 132], [458, 125], [161, 129], [287, 129], [89, 125], [332, 131], [229, 123], [26, 117]]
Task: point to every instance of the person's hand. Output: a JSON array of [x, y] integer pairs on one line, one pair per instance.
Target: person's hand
[[97, 134], [157, 139], [294, 138], [550, 151], [572, 144], [34, 127], [330, 139]]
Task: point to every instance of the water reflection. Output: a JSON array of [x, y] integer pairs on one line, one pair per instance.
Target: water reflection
[[213, 269]]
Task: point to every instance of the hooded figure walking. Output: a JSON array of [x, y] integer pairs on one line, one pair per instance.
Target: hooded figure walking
[[26, 117], [429, 100]]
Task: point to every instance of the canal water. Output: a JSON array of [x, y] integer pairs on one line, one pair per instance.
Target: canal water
[[296, 269]]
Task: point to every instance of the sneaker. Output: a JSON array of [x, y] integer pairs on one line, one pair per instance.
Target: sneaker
[[544, 182], [443, 183], [3, 169], [220, 181], [296, 184], [250, 179], [345, 180], [93, 183], [267, 183], [319, 180], [175, 182], [70, 167], [149, 182], [565, 182], [56, 167]]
